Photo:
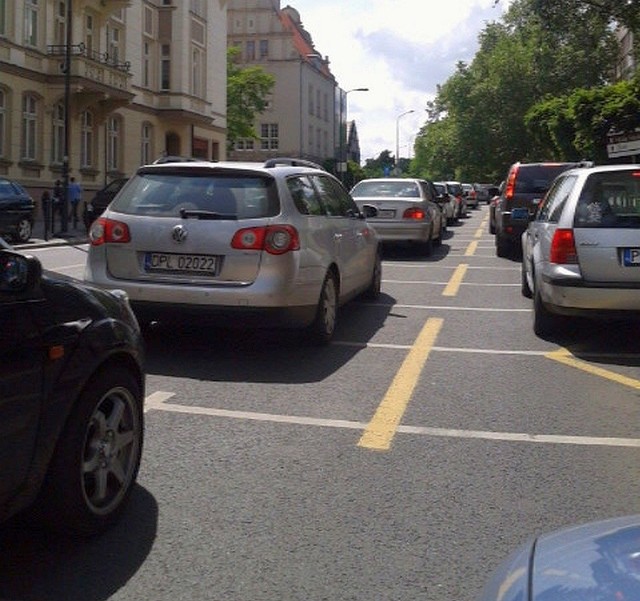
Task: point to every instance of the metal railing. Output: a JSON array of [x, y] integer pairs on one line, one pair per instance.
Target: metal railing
[[102, 58]]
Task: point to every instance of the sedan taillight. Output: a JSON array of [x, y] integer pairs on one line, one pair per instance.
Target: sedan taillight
[[414, 213], [274, 239], [563, 247], [105, 231]]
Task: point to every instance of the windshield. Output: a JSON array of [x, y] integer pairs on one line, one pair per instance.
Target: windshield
[[386, 189], [169, 194]]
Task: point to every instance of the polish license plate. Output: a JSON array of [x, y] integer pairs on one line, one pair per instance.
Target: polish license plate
[[387, 213], [520, 213], [178, 263], [631, 257]]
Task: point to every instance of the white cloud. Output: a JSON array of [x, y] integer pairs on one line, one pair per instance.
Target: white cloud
[[399, 49]]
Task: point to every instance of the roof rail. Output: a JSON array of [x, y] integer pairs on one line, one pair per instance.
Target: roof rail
[[175, 159], [292, 162]]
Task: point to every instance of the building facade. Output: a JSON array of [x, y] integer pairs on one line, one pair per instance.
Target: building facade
[[146, 78], [303, 118]]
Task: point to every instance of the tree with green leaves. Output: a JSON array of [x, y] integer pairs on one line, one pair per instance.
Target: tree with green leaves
[[248, 89]]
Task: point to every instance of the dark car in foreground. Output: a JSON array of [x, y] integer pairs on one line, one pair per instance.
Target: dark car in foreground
[[581, 253], [524, 187], [101, 199], [17, 209], [71, 399], [597, 561]]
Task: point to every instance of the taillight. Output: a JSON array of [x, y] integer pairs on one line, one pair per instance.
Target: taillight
[[414, 213], [274, 239], [563, 247], [510, 188], [105, 231]]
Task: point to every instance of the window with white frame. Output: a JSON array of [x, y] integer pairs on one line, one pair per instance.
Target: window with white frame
[[57, 146], [269, 136], [250, 51], [199, 7], [197, 70], [3, 121], [86, 139], [165, 67], [88, 34], [310, 138], [264, 48], [31, 22], [148, 21], [146, 64], [145, 147], [245, 144], [113, 143], [29, 127], [113, 44], [310, 99], [318, 105]]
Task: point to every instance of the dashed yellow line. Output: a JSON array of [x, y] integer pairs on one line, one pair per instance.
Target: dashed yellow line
[[383, 426], [453, 285], [471, 249], [563, 356]]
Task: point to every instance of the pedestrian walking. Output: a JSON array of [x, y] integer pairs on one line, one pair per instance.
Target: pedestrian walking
[[58, 197], [75, 196]]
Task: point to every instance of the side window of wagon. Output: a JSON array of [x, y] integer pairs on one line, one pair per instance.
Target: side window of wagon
[[304, 196]]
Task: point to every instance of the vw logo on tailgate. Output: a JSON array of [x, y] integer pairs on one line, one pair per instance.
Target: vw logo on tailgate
[[179, 234]]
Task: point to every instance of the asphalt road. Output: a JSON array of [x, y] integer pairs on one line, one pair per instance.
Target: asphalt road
[[402, 462]]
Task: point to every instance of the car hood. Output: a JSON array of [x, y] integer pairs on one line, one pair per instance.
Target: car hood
[[598, 561]]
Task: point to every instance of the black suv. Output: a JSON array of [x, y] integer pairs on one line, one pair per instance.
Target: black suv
[[524, 187], [96, 206], [71, 398]]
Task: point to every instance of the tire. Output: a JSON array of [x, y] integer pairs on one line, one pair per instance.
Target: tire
[[524, 284], [373, 291], [545, 323], [503, 246], [320, 332], [492, 227], [24, 229], [96, 461]]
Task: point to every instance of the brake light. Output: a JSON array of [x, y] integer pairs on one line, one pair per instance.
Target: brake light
[[563, 247], [510, 188], [274, 239], [105, 231], [414, 213]]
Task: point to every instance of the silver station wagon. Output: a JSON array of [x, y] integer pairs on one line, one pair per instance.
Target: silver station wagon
[[279, 244], [581, 253]]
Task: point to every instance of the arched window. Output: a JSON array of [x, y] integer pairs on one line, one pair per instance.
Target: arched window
[[86, 139], [57, 146]]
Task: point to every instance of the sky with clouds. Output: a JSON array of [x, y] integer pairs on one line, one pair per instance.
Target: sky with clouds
[[399, 49]]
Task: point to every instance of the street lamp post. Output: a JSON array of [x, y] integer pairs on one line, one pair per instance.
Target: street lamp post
[[64, 213], [343, 134], [398, 133]]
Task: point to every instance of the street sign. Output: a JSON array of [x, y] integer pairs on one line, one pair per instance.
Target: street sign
[[623, 144]]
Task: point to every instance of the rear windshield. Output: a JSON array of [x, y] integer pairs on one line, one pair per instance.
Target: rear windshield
[[536, 179], [170, 195], [611, 200], [440, 189], [386, 189]]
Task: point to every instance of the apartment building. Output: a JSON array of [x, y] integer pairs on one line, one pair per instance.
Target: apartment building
[[146, 78], [304, 117], [627, 65]]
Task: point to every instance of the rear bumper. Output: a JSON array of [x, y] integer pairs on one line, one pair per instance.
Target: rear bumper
[[402, 232]]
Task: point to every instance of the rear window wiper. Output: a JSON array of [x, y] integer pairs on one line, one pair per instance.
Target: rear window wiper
[[198, 214]]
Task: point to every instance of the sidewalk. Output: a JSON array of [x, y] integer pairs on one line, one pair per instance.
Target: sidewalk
[[71, 236]]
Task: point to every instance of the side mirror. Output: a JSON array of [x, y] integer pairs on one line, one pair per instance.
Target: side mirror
[[18, 273], [369, 211]]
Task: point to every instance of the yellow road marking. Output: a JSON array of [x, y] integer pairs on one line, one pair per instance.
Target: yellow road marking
[[479, 232], [562, 355], [382, 428], [471, 249], [453, 286]]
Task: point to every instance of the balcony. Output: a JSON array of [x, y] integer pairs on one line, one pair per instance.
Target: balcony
[[95, 76]]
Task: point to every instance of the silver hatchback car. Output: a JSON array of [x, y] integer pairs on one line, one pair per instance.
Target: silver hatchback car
[[581, 253], [279, 244], [405, 210]]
